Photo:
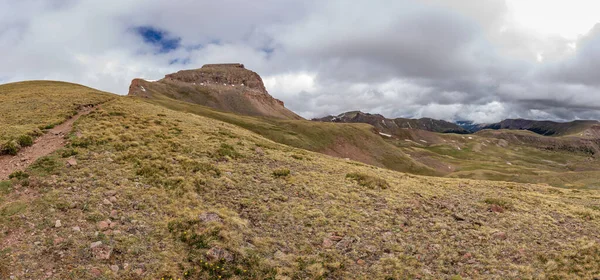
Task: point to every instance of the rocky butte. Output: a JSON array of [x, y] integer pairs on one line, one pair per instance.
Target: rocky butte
[[229, 87]]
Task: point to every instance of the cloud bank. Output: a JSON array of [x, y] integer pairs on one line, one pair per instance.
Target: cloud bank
[[453, 60]]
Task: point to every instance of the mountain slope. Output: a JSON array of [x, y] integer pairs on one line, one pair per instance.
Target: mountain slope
[[227, 87], [27, 109], [394, 126], [353, 141], [549, 128], [158, 193]]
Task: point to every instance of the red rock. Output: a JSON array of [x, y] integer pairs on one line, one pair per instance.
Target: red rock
[[216, 254], [210, 217], [71, 162], [336, 238], [500, 235], [96, 272], [103, 225], [138, 271], [327, 243], [496, 209], [58, 240], [360, 262], [102, 252]]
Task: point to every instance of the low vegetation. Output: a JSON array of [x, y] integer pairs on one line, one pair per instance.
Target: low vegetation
[[368, 181], [152, 197], [27, 108]]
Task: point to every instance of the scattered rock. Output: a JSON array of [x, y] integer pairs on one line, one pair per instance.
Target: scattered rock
[[500, 235], [216, 254], [467, 256], [71, 162], [76, 229], [336, 238], [139, 271], [106, 202], [210, 217], [114, 268], [113, 199], [114, 214], [58, 240], [95, 244], [37, 243], [344, 244], [110, 193], [102, 252], [57, 224], [327, 243], [496, 208], [259, 151], [96, 272], [360, 262], [103, 225]]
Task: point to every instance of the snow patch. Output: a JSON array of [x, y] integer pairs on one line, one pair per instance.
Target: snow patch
[[385, 134], [143, 89]]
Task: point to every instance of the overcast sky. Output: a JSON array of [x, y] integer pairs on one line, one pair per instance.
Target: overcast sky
[[480, 60]]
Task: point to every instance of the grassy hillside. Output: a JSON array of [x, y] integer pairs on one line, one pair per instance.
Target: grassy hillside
[[28, 108], [355, 141], [158, 193]]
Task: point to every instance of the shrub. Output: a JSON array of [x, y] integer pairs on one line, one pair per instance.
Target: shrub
[[68, 153], [45, 165], [227, 150], [283, 172], [297, 157], [368, 180], [11, 147], [19, 175], [497, 201], [25, 140]]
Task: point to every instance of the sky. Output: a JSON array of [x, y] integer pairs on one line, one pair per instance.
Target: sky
[[477, 60]]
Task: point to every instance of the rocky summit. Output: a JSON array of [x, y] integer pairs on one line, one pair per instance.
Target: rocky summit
[[228, 87]]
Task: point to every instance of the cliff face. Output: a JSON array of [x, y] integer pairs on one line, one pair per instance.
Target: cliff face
[[228, 87]]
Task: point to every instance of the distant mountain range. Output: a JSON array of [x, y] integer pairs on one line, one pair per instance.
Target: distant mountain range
[[585, 128], [391, 126]]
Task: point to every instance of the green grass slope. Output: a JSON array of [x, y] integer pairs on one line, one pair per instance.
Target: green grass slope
[[355, 141], [27, 108], [159, 193]]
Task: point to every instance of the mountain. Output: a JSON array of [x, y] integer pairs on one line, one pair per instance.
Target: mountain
[[470, 126], [585, 128], [393, 126], [141, 190], [227, 87]]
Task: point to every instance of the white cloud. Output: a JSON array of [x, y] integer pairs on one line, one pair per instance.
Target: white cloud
[[469, 59]]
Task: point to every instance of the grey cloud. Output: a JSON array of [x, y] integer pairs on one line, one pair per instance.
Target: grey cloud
[[432, 58]]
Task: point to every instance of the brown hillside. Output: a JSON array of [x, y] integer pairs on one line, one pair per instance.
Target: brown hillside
[[227, 87]]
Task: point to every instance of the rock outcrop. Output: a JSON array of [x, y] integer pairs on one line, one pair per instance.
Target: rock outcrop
[[228, 87]]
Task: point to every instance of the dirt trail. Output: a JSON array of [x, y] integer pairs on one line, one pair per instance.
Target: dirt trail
[[51, 141]]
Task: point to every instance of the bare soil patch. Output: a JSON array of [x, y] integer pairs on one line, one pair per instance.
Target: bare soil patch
[[51, 141]]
